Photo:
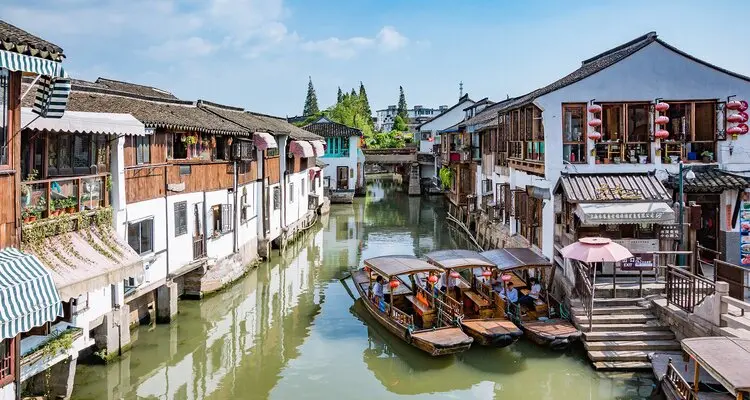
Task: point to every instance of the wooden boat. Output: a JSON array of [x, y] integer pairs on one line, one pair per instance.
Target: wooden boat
[[412, 313], [543, 325], [481, 319], [717, 370]]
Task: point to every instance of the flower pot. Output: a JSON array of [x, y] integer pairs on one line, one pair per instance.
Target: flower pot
[[31, 218], [643, 159], [71, 209], [606, 160], [707, 159], [674, 159]]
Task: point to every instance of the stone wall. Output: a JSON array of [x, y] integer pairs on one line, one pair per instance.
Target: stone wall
[[495, 235], [683, 325]]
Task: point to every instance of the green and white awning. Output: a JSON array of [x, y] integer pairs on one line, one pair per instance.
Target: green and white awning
[[28, 297], [54, 85]]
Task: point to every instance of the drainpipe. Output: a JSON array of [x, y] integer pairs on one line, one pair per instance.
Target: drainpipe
[[166, 220], [236, 214]]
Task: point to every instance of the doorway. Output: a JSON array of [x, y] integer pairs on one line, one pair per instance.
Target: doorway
[[342, 178], [707, 233]]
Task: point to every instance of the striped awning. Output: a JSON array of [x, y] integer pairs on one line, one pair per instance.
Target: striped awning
[[86, 123], [28, 297], [54, 85], [264, 141], [301, 148], [319, 147]]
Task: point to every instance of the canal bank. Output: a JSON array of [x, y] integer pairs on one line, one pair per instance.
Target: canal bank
[[288, 329]]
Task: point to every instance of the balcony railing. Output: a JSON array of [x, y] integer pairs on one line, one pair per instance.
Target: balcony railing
[[47, 198]]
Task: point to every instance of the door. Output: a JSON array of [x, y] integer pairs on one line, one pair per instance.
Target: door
[[199, 250], [342, 178]]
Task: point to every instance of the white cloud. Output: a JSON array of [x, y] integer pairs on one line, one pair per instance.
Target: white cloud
[[181, 48], [388, 39]]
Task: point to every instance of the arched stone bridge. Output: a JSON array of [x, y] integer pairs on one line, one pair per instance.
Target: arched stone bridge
[[403, 161]]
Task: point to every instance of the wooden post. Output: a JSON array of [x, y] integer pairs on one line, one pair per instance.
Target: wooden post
[[48, 197], [78, 180], [696, 376]]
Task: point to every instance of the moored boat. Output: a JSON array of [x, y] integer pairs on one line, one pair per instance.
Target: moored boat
[[409, 311], [542, 324], [482, 320]]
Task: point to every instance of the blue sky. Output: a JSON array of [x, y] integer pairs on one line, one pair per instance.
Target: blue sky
[[258, 54]]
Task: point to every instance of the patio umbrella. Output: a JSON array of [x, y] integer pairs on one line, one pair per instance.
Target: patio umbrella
[[596, 249]]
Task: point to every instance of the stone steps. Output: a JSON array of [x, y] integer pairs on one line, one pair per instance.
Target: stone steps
[[611, 310], [622, 365], [736, 322], [633, 355], [652, 325], [598, 303], [601, 336], [633, 345], [735, 332], [635, 318]]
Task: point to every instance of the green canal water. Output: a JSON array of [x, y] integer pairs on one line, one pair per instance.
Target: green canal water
[[289, 330]]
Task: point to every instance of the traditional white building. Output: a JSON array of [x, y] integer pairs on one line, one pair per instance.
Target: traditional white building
[[385, 118], [429, 132]]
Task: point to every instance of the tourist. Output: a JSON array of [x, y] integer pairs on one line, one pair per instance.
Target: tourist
[[510, 293], [377, 290], [530, 299]]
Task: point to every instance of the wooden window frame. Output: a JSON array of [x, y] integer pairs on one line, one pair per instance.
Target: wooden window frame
[[142, 147], [678, 146], [139, 250], [584, 136], [8, 374], [277, 198], [180, 218], [628, 143]]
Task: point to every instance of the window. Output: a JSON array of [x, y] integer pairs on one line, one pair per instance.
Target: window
[[276, 198], [69, 154], [243, 205], [142, 149], [302, 191], [7, 361], [291, 192], [180, 218], [221, 150], [4, 99], [337, 147], [609, 149], [574, 133], [243, 150], [272, 152], [141, 236], [222, 218]]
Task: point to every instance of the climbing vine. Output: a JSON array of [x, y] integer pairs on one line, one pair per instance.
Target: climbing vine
[[446, 177]]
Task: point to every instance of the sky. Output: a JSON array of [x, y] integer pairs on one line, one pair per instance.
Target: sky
[[258, 54]]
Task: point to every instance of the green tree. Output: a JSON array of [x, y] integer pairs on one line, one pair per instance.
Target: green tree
[[402, 109], [365, 101], [311, 101], [399, 124], [339, 96], [353, 93]]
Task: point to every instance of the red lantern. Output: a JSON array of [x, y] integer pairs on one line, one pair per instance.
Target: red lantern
[[394, 283], [744, 116], [743, 106], [455, 274], [432, 279], [661, 106], [661, 134], [486, 273], [595, 135], [734, 105], [506, 277], [736, 118], [595, 108], [662, 120], [367, 269], [595, 122], [734, 130], [744, 128]]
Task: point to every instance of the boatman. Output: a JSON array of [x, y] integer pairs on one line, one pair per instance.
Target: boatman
[[377, 290]]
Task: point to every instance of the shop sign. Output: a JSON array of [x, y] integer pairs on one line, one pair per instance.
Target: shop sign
[[642, 249], [643, 216], [745, 230]]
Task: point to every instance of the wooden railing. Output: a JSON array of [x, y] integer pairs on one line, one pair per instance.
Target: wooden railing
[[584, 287], [446, 308], [46, 198], [400, 317], [199, 250], [678, 383], [734, 275], [482, 288], [686, 290]]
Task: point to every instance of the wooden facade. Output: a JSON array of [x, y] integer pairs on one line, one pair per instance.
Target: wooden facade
[[272, 170], [10, 177]]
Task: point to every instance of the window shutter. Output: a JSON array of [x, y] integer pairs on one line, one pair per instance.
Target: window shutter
[[226, 217], [651, 124], [138, 150], [721, 121], [180, 218]]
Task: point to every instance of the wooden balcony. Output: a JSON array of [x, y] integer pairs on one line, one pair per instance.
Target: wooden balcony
[[458, 199], [47, 198], [532, 167]]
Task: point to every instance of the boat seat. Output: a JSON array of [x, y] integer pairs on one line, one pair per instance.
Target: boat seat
[[420, 307]]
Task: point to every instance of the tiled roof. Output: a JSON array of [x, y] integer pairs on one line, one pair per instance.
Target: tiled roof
[[593, 188], [460, 100], [18, 40], [327, 128], [709, 180], [134, 88], [255, 122]]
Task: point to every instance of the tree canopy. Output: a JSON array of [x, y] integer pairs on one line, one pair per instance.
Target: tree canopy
[[402, 109], [365, 101], [311, 100]]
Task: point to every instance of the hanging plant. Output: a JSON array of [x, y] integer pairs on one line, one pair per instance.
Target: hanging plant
[[191, 140], [446, 177]]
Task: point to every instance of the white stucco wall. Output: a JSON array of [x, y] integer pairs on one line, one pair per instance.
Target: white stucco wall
[[443, 121], [181, 247], [275, 215], [8, 392], [351, 162], [155, 262], [247, 231], [223, 245], [296, 199]]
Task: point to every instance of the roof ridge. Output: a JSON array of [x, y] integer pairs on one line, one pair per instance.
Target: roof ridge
[[332, 122], [134, 84], [119, 93], [266, 115], [650, 37], [220, 106]]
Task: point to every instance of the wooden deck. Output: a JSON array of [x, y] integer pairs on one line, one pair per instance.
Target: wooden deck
[[558, 328], [491, 326], [446, 337]]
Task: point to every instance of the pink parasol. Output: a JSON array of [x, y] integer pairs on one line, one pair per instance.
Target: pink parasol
[[596, 249]]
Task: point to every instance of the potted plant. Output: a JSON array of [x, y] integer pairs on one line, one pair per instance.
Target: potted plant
[[643, 159], [70, 204], [708, 156], [28, 214]]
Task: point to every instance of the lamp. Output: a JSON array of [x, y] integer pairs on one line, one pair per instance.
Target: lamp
[[685, 173]]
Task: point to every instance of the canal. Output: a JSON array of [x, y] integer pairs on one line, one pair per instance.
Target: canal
[[290, 330]]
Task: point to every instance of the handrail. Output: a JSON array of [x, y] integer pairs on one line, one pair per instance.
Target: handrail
[[584, 287], [678, 383], [66, 178], [400, 317], [686, 290], [482, 288]]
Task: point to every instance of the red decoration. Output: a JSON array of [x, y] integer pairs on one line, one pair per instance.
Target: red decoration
[[661, 106], [736, 118], [734, 105], [367, 269], [432, 279], [735, 130], [595, 108], [486, 273], [455, 274], [743, 106], [744, 116], [595, 122], [662, 120], [431, 139], [394, 284], [506, 277], [595, 135], [744, 128], [661, 134]]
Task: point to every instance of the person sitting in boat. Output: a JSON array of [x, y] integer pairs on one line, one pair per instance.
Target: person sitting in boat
[[377, 290], [510, 293], [530, 299]]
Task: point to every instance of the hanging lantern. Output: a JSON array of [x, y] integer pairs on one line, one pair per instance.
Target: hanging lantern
[[506, 277], [662, 120], [394, 283], [735, 118], [595, 108], [455, 274], [661, 106], [743, 105], [367, 269], [661, 134], [486, 273], [595, 122], [734, 105], [734, 130], [595, 135], [744, 128], [432, 279], [744, 116]]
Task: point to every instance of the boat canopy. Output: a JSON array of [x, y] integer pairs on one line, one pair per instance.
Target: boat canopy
[[458, 258], [726, 359], [398, 265], [516, 258]]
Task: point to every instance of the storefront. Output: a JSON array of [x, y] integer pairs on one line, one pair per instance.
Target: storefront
[[630, 209]]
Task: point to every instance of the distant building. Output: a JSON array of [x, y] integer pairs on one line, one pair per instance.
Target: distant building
[[417, 115], [429, 130]]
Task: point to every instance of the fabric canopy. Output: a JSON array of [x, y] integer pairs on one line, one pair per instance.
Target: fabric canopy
[[27, 294], [624, 213], [319, 147], [92, 260], [301, 148], [85, 122], [54, 85], [398, 265], [264, 141]]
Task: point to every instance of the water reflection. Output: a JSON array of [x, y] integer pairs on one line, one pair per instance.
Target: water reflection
[[289, 330]]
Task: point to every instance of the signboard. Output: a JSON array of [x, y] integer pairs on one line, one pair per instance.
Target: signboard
[[745, 230], [642, 250]]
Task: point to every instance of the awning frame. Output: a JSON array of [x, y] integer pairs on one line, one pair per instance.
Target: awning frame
[[264, 141], [301, 149], [615, 213], [54, 85]]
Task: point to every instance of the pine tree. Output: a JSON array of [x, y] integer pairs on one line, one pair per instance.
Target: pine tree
[[353, 93], [402, 110], [311, 101], [365, 102], [339, 96]]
